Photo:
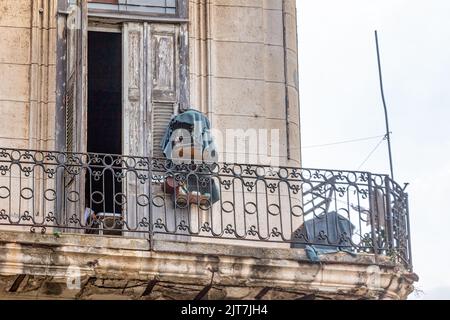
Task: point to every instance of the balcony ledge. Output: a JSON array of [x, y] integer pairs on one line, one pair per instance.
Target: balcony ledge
[[36, 266]]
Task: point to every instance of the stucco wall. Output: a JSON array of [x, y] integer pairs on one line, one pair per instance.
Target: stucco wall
[[15, 31], [238, 71], [27, 69]]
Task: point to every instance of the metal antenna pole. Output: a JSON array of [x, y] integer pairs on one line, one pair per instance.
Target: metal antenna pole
[[388, 132]]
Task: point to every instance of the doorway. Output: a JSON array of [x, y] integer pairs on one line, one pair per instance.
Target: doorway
[[104, 117], [105, 93]]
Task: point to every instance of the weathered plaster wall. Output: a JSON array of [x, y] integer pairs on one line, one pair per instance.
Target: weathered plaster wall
[[244, 70], [27, 69], [15, 60]]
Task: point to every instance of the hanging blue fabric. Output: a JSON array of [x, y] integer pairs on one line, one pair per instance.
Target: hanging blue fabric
[[198, 127], [196, 123]]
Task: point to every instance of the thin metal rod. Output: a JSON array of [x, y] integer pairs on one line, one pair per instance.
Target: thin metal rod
[[388, 132]]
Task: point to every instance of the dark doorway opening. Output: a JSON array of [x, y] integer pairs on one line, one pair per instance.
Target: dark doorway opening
[[105, 93], [103, 187]]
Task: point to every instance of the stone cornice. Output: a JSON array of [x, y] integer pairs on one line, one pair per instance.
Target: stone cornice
[[234, 271]]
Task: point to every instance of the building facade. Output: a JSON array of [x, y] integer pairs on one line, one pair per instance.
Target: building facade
[[90, 206]]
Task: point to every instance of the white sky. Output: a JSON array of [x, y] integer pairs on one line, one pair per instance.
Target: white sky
[[340, 100]]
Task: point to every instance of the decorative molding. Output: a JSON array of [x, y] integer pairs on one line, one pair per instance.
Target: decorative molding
[[43, 61], [200, 60]]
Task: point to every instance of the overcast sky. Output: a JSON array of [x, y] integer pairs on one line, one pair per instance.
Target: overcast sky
[[340, 100]]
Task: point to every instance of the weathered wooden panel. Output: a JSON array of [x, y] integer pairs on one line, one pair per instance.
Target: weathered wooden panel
[[164, 79], [164, 51], [134, 121], [183, 69], [133, 90]]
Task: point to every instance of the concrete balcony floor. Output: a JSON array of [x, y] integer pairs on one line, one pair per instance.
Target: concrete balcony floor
[[76, 266]]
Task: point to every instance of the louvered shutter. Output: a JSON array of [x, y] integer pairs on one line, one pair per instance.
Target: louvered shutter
[[150, 86], [162, 114], [72, 185], [75, 94], [164, 79]]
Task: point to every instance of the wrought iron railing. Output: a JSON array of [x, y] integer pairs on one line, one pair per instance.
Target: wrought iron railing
[[143, 197]]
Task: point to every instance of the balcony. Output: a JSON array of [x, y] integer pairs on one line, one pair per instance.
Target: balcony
[[143, 208]]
